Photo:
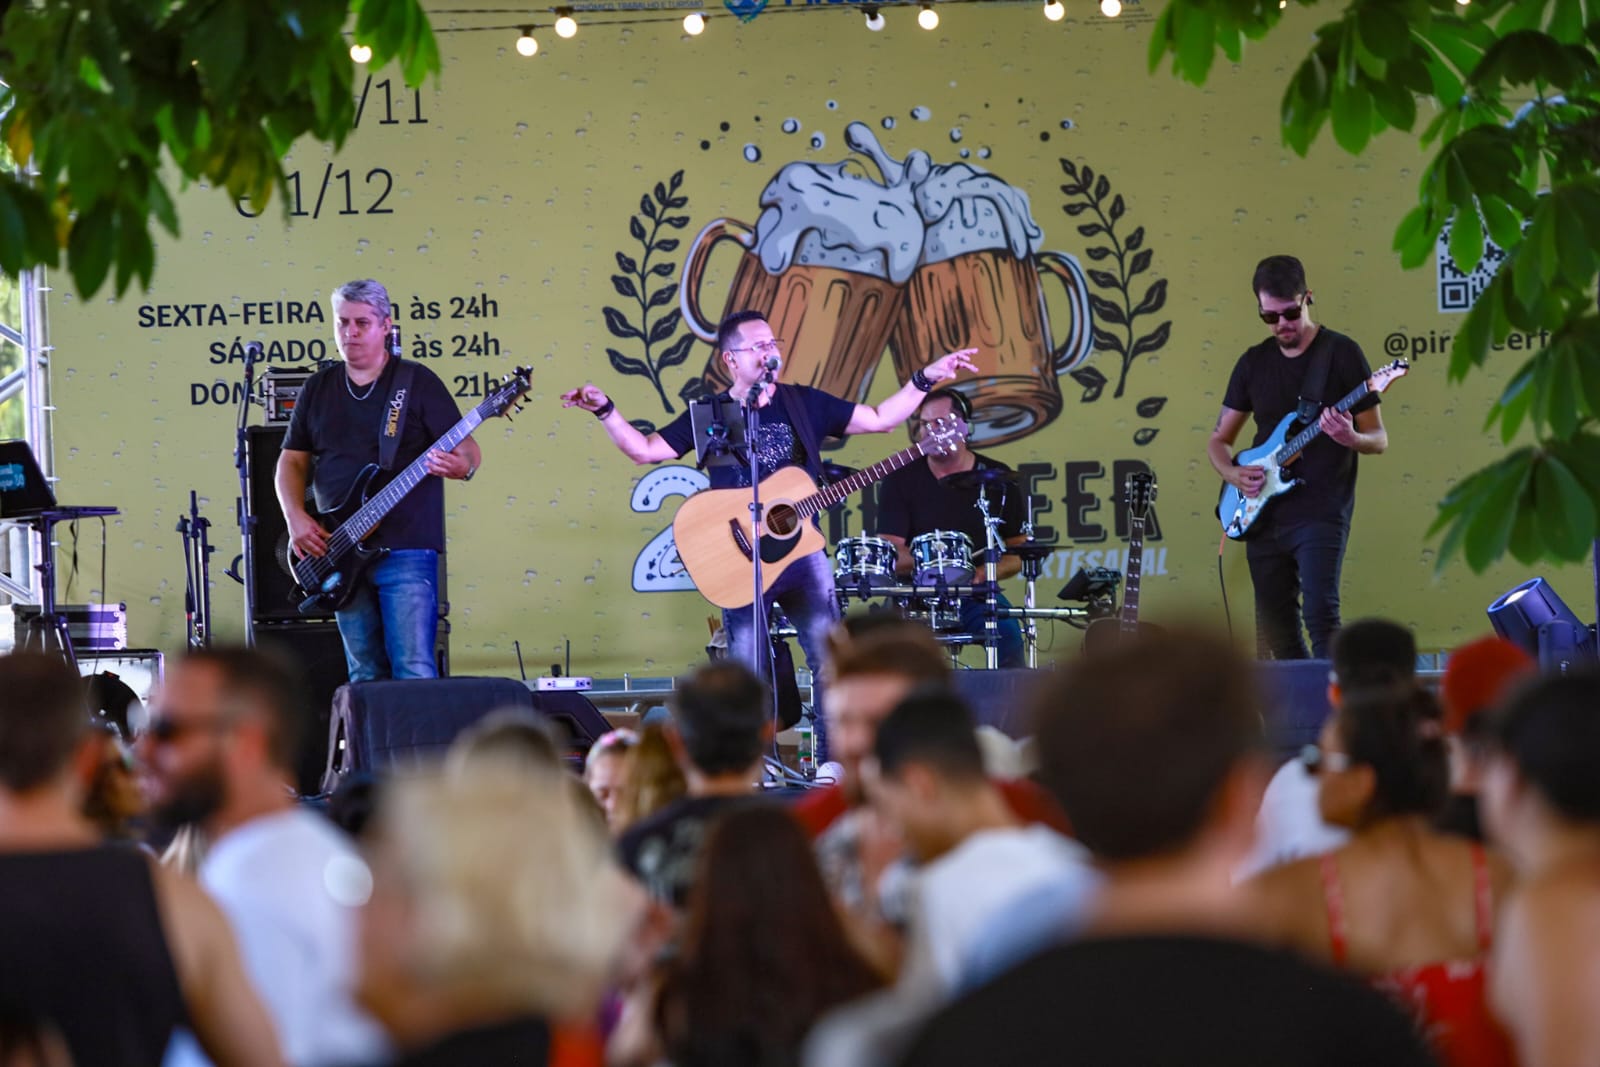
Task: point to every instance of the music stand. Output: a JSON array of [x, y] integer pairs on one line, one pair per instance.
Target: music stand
[[719, 433], [26, 498]]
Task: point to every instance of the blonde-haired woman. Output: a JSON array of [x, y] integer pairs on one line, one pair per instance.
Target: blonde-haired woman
[[495, 915]]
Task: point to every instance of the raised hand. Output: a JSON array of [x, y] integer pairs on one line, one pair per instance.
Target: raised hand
[[946, 367], [589, 398]]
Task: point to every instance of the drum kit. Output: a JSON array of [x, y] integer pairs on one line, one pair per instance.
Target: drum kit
[[945, 572]]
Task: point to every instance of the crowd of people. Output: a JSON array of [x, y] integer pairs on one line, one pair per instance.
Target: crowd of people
[[1421, 886]]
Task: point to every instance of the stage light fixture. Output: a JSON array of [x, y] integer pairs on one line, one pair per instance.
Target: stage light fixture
[[526, 45], [1111, 8], [694, 23], [874, 19], [360, 53], [566, 25], [1534, 618], [928, 18], [1055, 10]]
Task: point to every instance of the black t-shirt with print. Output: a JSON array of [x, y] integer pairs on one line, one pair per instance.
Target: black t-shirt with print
[[779, 445], [341, 433], [1268, 384]]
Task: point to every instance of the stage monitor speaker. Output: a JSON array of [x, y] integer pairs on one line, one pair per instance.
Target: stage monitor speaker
[[275, 598], [1296, 695], [316, 654], [999, 698], [376, 726]]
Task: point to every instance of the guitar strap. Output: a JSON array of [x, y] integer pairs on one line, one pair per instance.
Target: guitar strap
[[394, 413], [804, 432], [1315, 386]]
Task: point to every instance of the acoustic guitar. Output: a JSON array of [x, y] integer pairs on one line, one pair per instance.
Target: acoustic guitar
[[715, 540]]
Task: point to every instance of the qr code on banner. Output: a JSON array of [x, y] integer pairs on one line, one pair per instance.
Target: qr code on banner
[[1458, 291]]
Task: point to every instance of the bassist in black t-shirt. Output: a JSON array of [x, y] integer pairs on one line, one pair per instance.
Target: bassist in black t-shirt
[[1297, 548], [389, 627]]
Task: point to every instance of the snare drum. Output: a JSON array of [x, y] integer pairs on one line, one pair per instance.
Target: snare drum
[[869, 559], [942, 554], [938, 614]]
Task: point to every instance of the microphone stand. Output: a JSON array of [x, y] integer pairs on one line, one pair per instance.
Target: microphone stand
[[197, 574], [247, 521], [765, 665]]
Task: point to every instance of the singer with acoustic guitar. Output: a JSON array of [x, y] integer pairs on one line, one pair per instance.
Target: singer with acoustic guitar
[[794, 419], [1296, 547]]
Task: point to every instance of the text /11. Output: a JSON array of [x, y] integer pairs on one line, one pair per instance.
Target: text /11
[[387, 85]]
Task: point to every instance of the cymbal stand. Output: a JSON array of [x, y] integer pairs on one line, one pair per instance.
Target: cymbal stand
[[992, 548]]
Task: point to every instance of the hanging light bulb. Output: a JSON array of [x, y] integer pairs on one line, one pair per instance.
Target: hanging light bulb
[[694, 23], [1055, 10], [526, 45], [874, 19], [566, 25], [1111, 8], [359, 52], [928, 18]]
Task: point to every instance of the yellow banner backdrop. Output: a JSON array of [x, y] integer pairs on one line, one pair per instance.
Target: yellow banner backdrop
[[1002, 181]]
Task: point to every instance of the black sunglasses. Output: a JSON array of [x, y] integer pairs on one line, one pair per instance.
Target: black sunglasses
[[1288, 314], [165, 730], [1315, 760]]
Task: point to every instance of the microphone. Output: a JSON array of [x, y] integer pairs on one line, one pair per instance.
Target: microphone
[[394, 340], [252, 355], [771, 363]]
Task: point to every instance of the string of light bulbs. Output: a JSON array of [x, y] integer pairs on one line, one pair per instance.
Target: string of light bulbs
[[565, 22]]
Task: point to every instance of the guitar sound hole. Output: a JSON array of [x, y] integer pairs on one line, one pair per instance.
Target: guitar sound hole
[[781, 520]]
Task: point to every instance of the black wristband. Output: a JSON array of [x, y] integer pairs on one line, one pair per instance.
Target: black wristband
[[605, 409], [922, 381]]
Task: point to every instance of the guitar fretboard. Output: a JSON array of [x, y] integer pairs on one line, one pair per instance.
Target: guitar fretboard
[[825, 498], [1130, 577], [1297, 444]]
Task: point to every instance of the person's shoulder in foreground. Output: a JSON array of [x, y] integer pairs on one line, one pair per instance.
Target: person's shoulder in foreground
[[1169, 999]]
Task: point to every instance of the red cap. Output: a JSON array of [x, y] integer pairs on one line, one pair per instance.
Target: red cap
[[1477, 676]]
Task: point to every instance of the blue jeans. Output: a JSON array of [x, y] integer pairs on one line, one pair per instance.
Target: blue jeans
[[805, 593], [389, 628], [975, 613], [1295, 571]]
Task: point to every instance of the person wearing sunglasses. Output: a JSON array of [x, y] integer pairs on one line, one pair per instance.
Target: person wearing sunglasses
[[1296, 547]]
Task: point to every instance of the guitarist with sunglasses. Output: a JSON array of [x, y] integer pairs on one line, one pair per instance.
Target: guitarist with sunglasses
[[794, 420], [1296, 549]]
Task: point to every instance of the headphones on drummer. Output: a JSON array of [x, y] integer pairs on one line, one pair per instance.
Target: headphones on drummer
[[958, 400]]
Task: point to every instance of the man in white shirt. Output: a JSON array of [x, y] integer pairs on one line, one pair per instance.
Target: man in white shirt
[[219, 753], [976, 860]]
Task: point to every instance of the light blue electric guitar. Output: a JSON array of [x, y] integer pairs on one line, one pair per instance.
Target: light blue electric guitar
[[1239, 512]]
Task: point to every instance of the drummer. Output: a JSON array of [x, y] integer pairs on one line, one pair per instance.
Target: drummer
[[918, 499]]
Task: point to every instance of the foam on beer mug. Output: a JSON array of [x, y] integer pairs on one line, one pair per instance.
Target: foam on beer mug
[[833, 215], [968, 209]]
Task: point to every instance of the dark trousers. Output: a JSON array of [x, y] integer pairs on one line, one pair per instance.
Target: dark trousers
[[1295, 571]]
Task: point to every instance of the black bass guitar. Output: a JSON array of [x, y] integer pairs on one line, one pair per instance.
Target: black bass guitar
[[327, 583]]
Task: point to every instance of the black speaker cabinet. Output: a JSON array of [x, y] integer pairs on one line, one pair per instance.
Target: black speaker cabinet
[[274, 591], [316, 654], [379, 725]]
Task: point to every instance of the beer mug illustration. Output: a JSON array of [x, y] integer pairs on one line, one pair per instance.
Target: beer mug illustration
[[993, 301], [979, 285], [835, 321]]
